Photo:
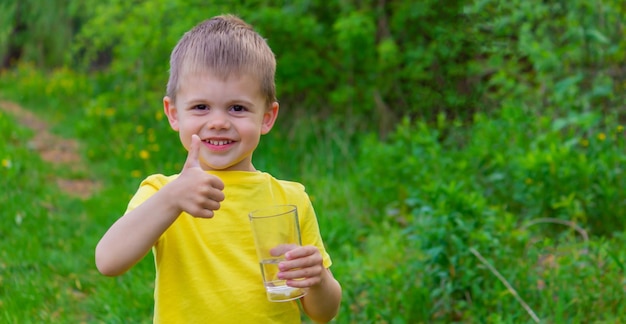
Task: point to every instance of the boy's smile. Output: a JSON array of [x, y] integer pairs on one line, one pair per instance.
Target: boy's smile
[[229, 115]]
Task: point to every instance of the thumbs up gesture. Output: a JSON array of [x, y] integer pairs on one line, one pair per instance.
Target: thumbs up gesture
[[199, 193]]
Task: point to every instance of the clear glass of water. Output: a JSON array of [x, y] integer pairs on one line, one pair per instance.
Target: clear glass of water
[[276, 231]]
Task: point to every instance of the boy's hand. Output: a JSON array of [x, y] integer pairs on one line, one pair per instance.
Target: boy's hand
[[303, 263], [200, 193]]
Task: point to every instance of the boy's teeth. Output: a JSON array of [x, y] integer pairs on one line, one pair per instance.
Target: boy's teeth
[[213, 142]]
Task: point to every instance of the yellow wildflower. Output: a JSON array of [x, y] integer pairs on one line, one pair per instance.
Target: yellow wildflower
[[528, 181], [139, 129], [144, 154], [135, 173], [602, 136], [158, 116], [620, 128], [109, 112], [6, 163]]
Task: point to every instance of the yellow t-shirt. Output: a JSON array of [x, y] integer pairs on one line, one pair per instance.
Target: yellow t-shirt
[[207, 270]]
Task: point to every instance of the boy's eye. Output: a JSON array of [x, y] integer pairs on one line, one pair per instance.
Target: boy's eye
[[238, 108], [200, 107]]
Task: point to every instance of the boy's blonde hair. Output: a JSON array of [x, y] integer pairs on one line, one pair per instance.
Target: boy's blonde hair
[[223, 45]]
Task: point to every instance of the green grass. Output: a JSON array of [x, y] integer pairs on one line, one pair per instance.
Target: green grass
[[47, 240], [399, 217]]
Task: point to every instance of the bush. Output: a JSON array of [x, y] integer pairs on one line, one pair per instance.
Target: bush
[[25, 27], [455, 187], [553, 57], [360, 57]]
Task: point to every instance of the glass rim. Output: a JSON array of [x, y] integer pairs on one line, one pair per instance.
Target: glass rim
[[286, 209]]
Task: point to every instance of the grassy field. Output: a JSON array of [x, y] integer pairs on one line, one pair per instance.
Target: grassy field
[[49, 231], [503, 221]]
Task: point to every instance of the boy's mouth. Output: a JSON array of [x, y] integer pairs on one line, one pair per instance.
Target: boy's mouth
[[218, 142]]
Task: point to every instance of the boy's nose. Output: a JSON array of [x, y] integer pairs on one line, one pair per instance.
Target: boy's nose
[[219, 121]]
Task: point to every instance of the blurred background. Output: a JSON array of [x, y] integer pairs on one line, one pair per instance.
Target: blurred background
[[465, 157]]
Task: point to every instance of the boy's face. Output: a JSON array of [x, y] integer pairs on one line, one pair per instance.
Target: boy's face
[[228, 115]]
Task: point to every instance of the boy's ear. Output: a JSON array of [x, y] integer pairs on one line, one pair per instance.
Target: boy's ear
[[269, 117], [171, 112]]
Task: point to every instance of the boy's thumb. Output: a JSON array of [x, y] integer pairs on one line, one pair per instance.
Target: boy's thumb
[[194, 152]]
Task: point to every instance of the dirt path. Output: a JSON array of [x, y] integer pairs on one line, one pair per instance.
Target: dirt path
[[54, 149]]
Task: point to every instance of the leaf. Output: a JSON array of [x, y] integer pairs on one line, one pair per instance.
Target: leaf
[[614, 257], [567, 83], [598, 36]]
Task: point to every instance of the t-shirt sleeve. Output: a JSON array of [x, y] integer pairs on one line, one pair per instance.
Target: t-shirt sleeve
[[147, 188], [310, 230]]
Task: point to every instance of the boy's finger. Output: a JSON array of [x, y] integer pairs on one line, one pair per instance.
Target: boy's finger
[[304, 251], [282, 249], [217, 183], [218, 195], [194, 153]]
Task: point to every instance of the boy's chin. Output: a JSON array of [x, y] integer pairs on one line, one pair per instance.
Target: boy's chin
[[228, 167]]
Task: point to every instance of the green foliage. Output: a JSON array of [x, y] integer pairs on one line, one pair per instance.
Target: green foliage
[[568, 54], [455, 187], [38, 31], [380, 69], [377, 60]]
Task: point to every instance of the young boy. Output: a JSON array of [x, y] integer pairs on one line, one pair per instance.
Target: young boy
[[220, 99]]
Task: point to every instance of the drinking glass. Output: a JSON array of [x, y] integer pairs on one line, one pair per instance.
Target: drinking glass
[[276, 231]]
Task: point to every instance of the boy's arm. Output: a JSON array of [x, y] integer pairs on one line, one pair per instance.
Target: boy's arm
[[322, 301], [304, 268], [132, 236]]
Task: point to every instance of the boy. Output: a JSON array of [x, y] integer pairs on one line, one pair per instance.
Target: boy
[[220, 99]]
